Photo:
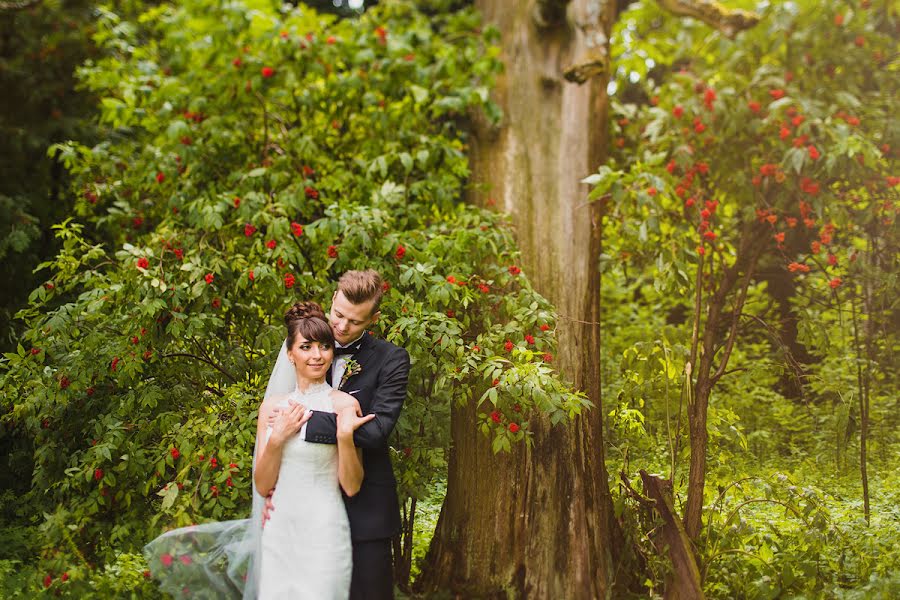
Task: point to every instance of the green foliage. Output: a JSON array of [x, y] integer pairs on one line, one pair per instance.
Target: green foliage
[[248, 157], [39, 50], [776, 152]]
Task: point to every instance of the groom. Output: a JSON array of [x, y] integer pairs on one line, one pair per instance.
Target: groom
[[375, 372]]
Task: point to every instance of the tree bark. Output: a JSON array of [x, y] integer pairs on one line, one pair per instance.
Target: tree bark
[[748, 254], [684, 581], [538, 523]]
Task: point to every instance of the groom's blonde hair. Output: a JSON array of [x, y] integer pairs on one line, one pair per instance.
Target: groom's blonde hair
[[362, 286]]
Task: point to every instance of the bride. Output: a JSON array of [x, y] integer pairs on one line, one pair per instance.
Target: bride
[[304, 550]]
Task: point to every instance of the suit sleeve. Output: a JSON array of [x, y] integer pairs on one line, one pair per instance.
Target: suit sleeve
[[386, 404]]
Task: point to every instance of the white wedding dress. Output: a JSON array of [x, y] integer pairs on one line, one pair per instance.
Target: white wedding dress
[[306, 551]]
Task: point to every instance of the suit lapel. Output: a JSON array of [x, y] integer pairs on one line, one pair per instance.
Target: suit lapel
[[366, 348]]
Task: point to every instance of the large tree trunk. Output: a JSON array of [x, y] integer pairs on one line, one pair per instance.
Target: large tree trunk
[[537, 523]]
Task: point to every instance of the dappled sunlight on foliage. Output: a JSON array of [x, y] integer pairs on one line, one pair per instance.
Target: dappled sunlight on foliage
[[248, 158]]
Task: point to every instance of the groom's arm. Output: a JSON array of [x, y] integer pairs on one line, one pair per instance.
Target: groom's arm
[[386, 404]]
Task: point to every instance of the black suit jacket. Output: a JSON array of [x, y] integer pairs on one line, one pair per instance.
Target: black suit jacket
[[380, 388]]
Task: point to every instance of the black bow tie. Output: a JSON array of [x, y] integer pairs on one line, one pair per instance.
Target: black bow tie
[[346, 350]]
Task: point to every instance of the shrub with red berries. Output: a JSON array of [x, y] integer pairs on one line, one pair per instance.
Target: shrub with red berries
[[250, 197]]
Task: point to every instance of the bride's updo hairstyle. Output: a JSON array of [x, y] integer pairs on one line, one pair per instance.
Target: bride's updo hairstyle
[[308, 320]]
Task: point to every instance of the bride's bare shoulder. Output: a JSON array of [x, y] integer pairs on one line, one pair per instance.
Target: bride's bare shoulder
[[272, 402], [341, 399]]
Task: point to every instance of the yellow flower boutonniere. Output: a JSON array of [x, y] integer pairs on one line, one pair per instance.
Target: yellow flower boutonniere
[[351, 368]]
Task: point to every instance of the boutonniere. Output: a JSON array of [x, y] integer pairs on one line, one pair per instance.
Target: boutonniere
[[351, 368]]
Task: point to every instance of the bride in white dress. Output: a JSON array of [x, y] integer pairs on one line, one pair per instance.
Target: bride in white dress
[[304, 550]]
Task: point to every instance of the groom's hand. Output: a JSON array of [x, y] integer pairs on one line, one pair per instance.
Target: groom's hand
[[268, 507]]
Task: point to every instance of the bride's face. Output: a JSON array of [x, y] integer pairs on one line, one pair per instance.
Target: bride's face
[[311, 358]]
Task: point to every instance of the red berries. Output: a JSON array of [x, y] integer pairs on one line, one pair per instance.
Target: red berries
[[699, 127], [514, 270], [401, 252], [513, 428], [143, 263], [160, 177], [174, 453], [508, 346], [297, 229], [209, 277], [332, 252], [249, 229], [267, 72], [289, 280]]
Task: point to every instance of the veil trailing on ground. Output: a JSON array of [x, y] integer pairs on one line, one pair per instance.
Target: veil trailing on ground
[[219, 559]]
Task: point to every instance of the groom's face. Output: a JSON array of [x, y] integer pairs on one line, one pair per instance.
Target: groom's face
[[348, 320]]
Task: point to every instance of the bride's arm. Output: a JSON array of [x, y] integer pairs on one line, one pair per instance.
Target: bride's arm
[[350, 468], [268, 460]]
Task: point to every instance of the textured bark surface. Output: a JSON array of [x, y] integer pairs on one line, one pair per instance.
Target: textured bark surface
[[537, 523], [683, 583]]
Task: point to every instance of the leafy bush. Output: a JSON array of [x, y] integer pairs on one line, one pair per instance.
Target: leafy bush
[[249, 157]]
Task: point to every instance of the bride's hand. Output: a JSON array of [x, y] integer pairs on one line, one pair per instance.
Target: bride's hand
[[349, 421], [277, 411], [288, 423]]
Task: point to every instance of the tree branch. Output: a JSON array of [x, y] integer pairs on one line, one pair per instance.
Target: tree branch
[[735, 319], [201, 359], [19, 5], [714, 14]]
